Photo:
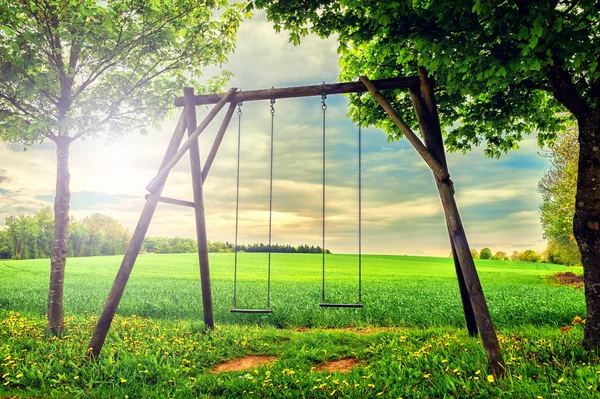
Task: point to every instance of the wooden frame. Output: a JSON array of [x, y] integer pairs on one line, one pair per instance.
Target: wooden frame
[[432, 151]]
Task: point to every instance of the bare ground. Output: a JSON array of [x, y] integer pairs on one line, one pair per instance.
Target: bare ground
[[570, 279], [243, 363], [341, 366]]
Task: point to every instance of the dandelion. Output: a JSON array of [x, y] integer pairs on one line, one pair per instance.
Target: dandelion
[[19, 375], [371, 386], [123, 380], [490, 378], [426, 376], [560, 380]]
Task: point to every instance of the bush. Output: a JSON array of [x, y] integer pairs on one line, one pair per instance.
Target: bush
[[529, 256], [485, 253]]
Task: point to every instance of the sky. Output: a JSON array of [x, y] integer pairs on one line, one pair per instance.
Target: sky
[[401, 209]]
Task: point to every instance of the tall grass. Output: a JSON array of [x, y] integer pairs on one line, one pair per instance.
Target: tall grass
[[397, 290]]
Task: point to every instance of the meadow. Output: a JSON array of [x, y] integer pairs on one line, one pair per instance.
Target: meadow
[[409, 339]]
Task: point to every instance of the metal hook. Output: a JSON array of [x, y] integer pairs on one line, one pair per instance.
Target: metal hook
[[323, 98]]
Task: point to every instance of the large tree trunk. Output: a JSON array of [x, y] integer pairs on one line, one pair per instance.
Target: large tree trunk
[[58, 258], [586, 224]]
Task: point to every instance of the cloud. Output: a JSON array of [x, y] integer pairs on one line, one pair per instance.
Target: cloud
[[402, 213], [88, 200]]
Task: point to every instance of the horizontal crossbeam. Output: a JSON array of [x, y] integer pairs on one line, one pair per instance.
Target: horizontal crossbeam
[[173, 201], [306, 91]]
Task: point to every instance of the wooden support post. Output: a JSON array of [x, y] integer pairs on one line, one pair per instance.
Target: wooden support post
[[116, 292], [193, 138], [190, 118], [438, 169], [430, 128], [435, 144], [217, 142]]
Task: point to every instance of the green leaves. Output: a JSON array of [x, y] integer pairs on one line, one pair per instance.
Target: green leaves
[[88, 68], [490, 59]]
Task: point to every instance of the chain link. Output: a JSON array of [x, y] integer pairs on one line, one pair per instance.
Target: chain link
[[237, 204], [324, 109], [359, 199], [270, 204]]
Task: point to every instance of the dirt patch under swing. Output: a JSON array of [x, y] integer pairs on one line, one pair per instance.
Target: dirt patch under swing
[[341, 366], [570, 279], [243, 363]]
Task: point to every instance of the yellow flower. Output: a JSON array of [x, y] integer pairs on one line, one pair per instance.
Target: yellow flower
[[371, 386], [560, 380], [478, 372], [426, 376], [490, 378], [123, 380], [19, 375], [576, 320]]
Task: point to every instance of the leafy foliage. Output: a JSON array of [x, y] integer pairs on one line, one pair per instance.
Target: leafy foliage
[[558, 188], [498, 65], [85, 68]]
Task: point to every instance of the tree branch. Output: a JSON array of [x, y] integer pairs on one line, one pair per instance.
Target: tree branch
[[565, 91]]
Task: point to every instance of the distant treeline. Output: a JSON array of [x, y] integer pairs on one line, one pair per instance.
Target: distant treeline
[[31, 237], [164, 245]]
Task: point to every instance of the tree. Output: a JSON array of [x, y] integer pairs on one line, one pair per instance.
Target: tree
[[23, 232], [529, 255], [503, 69], [5, 247], [558, 189], [85, 68], [485, 253], [474, 253], [45, 222]]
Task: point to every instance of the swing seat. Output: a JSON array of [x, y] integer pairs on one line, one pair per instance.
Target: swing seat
[[235, 310], [341, 305]]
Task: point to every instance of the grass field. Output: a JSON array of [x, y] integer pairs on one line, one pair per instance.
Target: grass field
[[397, 290], [409, 338]]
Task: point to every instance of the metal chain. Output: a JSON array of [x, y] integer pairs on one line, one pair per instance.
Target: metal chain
[[359, 199], [237, 204], [270, 204], [324, 109]]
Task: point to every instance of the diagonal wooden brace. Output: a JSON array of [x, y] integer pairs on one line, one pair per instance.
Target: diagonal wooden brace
[[156, 181], [440, 172]]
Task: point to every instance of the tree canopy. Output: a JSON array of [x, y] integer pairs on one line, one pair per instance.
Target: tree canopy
[[503, 69], [86, 68]]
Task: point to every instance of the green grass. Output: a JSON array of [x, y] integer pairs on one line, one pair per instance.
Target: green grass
[[157, 347], [397, 290]]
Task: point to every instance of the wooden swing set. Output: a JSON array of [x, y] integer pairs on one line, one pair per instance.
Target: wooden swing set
[[431, 150]]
